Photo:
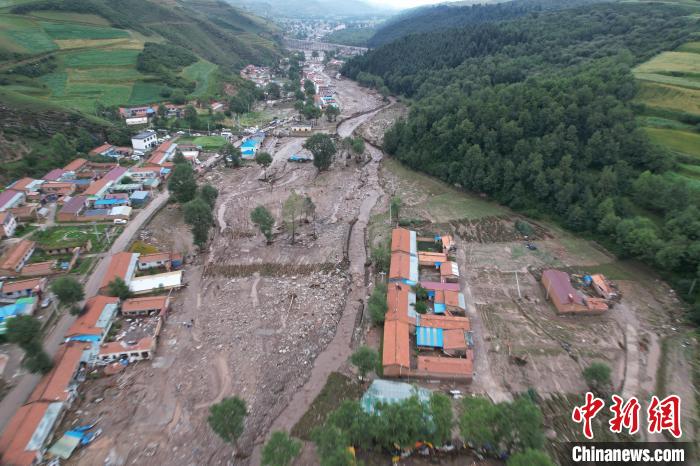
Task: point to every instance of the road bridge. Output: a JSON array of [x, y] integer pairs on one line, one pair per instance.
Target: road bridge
[[310, 45]]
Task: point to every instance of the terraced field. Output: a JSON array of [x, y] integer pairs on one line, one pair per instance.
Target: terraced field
[[670, 97], [95, 62]]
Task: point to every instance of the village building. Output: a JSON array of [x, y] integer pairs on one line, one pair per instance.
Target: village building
[[166, 260], [403, 268], [57, 189], [75, 166], [144, 141], [98, 188], [11, 198], [156, 283], [25, 213], [122, 265], [130, 350], [602, 287], [72, 209], [108, 150], [162, 154], [54, 175], [567, 299], [8, 224], [449, 272], [146, 306], [16, 256], [22, 288], [139, 199], [396, 354]]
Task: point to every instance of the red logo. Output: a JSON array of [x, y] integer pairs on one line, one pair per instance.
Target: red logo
[[665, 415], [585, 414], [625, 415]]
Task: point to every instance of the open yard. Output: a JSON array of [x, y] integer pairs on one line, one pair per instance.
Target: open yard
[[101, 236], [208, 143]]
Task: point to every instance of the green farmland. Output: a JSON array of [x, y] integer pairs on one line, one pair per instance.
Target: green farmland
[[208, 143], [79, 31], [670, 98]]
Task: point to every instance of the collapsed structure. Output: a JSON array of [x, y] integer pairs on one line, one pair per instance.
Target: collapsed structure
[[441, 338]]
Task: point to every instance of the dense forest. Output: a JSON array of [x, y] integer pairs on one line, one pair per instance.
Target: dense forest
[[537, 113], [446, 16]]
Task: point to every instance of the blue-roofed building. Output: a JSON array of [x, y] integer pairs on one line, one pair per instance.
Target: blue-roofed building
[[21, 307], [104, 203], [429, 337], [139, 198]]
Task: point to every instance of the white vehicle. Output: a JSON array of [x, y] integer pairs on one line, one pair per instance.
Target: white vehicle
[[136, 157], [166, 137], [120, 221], [180, 132], [46, 302]]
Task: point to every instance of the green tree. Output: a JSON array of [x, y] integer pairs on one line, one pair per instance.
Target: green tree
[[597, 376], [264, 220], [119, 288], [61, 149], [530, 457], [441, 410], [358, 426], [191, 116], [38, 363], [421, 307], [178, 97], [332, 112], [182, 184], [23, 331], [358, 146], [232, 155], [126, 180], [209, 194], [264, 159], [381, 258], [85, 141], [331, 446], [292, 211], [309, 87], [520, 424], [280, 450], [322, 147], [310, 111], [198, 211], [200, 235], [377, 304], [227, 418], [365, 359], [68, 290], [476, 423], [273, 91], [395, 208]]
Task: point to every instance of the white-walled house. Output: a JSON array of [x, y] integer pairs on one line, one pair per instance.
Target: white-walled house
[[144, 141]]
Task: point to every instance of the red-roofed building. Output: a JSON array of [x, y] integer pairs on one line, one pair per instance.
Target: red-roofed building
[[16, 256], [396, 355], [565, 297], [122, 265], [76, 165], [445, 368], [142, 349], [59, 384], [162, 154], [96, 318], [146, 306]]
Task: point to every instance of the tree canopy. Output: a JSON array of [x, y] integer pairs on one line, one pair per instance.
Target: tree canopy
[[68, 290], [227, 418], [365, 359], [264, 220], [323, 149], [280, 450], [182, 184]]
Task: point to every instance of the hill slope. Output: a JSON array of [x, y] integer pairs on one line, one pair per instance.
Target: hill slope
[[446, 16], [309, 8]]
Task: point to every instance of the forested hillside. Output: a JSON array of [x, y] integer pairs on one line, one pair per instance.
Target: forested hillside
[[537, 112], [446, 16]]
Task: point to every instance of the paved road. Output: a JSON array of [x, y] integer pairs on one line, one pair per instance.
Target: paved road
[[25, 383]]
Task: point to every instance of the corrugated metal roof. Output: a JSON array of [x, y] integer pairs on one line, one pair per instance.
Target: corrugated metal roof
[[429, 336]]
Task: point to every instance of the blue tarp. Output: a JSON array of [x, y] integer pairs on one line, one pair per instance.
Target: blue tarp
[[249, 144], [439, 308], [104, 202], [20, 307], [431, 294], [428, 336], [85, 338]]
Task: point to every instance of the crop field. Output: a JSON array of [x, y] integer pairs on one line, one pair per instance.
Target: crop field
[[19, 34], [69, 17], [670, 90], [145, 93], [79, 31], [201, 73], [97, 58], [683, 142]]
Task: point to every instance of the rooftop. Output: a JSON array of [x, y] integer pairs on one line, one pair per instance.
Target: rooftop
[[144, 304], [14, 254], [75, 165], [396, 344], [144, 134], [21, 285], [74, 205], [150, 283], [54, 385], [443, 322], [26, 431], [441, 365], [559, 287], [403, 240], [92, 321], [122, 266]]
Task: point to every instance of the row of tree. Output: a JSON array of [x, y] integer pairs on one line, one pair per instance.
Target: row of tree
[[508, 429], [197, 203]]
